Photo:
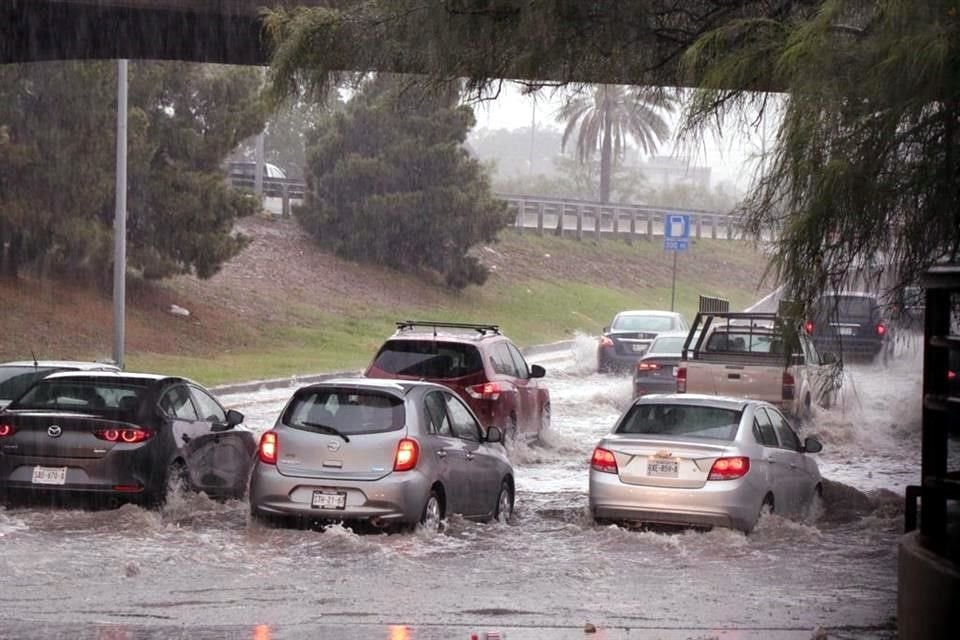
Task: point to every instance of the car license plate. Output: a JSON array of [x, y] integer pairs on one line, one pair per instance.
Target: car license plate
[[639, 347], [846, 331], [323, 499], [49, 475], [664, 467]]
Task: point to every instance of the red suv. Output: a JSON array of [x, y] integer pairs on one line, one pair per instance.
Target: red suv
[[482, 365]]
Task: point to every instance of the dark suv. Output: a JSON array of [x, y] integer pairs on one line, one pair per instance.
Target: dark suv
[[847, 323], [479, 363]]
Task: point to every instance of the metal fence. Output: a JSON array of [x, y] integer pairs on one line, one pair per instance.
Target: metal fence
[[581, 218]]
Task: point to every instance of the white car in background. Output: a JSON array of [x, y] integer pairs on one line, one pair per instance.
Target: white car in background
[[17, 377]]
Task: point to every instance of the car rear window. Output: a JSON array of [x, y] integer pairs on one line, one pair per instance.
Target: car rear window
[[666, 345], [689, 421], [349, 411], [643, 323], [744, 342], [846, 306], [115, 398], [430, 359], [15, 380]]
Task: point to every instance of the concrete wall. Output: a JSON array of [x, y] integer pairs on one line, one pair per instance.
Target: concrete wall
[[928, 593]]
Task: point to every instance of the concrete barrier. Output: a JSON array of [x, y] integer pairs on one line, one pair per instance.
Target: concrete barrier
[[928, 593]]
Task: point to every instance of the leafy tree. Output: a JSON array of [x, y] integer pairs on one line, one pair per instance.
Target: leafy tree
[[865, 177], [607, 118], [57, 171], [389, 182]]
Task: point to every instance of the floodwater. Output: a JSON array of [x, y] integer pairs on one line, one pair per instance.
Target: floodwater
[[202, 569]]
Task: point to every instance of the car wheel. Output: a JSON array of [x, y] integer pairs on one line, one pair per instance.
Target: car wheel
[[432, 514], [504, 509]]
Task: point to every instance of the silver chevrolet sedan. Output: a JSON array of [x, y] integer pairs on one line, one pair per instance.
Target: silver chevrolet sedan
[[701, 461], [382, 452]]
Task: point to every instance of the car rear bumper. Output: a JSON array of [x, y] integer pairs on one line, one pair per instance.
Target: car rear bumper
[[126, 473], [395, 498], [729, 503], [858, 346], [609, 358], [647, 386]]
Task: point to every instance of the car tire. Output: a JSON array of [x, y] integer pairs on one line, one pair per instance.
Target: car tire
[[431, 517], [503, 510]]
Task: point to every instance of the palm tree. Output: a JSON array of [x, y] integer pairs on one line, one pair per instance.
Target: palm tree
[[608, 117]]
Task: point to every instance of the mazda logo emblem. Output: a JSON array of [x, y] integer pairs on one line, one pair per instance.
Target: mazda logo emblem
[[333, 446], [54, 431]]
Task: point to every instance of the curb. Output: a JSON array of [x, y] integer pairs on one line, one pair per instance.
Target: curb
[[298, 381]]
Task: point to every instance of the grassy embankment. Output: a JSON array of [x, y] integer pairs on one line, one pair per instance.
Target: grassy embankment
[[544, 289]]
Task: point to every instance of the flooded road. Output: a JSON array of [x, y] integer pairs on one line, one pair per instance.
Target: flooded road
[[202, 569]]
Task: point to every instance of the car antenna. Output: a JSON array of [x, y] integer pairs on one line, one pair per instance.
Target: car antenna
[[36, 365]]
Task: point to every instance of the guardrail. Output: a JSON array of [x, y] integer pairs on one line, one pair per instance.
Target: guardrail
[[562, 216], [582, 218]]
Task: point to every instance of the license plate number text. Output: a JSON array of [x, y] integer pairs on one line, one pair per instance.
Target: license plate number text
[[49, 475], [328, 499]]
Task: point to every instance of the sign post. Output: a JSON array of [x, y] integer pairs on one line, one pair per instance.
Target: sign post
[[676, 238]]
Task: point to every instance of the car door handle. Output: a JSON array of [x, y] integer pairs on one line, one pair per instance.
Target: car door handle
[[469, 456], [441, 453]]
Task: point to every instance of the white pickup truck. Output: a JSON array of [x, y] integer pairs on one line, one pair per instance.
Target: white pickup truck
[[750, 355]]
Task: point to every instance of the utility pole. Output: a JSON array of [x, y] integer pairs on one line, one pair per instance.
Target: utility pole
[[120, 221], [533, 132], [258, 170]]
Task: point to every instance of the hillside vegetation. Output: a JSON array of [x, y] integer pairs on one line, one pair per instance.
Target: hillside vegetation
[[283, 307]]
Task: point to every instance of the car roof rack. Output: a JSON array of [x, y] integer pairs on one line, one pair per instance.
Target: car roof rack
[[483, 329]]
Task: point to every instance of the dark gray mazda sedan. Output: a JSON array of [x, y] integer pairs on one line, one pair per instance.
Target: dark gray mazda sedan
[[381, 452], [112, 437]]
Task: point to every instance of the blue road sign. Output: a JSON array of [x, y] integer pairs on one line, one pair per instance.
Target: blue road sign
[[676, 232]]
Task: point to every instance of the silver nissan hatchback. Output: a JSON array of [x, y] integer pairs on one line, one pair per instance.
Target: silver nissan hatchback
[[382, 452]]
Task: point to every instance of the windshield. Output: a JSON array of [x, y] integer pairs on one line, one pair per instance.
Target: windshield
[[642, 323], [120, 399], [428, 359], [15, 380], [346, 411], [690, 421]]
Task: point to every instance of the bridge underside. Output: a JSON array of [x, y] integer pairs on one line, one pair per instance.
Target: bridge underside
[[201, 31], [615, 41]]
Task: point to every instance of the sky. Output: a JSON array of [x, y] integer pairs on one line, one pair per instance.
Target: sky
[[730, 157]]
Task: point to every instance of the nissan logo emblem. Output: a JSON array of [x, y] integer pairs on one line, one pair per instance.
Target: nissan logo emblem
[[333, 446], [54, 431]]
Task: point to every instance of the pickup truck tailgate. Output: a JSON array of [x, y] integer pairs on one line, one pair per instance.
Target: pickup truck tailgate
[[755, 381]]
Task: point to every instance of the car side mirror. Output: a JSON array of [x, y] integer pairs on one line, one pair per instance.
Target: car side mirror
[[828, 357], [494, 434], [536, 371], [812, 445], [606, 330]]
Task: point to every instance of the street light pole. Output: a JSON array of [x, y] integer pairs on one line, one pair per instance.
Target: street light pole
[[120, 221]]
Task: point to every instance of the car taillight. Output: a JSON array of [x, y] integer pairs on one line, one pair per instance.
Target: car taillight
[[485, 391], [408, 452], [808, 327], [729, 468], [123, 434], [951, 375], [788, 385], [881, 330], [603, 460], [681, 380], [268, 449], [647, 366], [606, 342], [6, 430]]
